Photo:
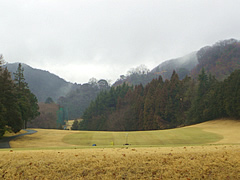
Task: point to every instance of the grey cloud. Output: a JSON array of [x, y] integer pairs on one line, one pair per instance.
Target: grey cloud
[[110, 37]]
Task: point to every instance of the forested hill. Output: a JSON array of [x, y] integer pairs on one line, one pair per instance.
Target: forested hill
[[43, 83], [164, 104], [220, 59], [182, 66]]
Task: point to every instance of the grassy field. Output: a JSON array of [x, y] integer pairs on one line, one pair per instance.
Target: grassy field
[[209, 150], [44, 138], [175, 137], [212, 132]]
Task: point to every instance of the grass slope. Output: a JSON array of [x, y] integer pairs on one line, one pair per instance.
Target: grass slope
[[229, 129], [218, 132], [44, 138]]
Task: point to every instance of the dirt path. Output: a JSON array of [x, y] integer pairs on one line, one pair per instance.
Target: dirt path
[[4, 142]]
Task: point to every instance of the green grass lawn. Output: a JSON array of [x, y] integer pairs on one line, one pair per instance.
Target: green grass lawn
[[172, 137]]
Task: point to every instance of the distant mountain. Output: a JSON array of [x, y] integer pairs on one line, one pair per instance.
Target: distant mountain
[[140, 75], [43, 83], [220, 60]]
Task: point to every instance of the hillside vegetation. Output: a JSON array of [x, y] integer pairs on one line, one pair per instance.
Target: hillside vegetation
[[47, 118], [76, 101], [43, 83], [18, 104], [164, 104], [220, 59], [177, 108]]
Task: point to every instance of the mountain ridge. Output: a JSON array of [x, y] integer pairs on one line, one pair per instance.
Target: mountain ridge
[[48, 84], [182, 65], [219, 59]]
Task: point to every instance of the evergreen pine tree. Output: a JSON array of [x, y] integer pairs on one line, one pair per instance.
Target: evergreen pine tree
[[232, 94], [12, 116], [27, 101], [149, 106]]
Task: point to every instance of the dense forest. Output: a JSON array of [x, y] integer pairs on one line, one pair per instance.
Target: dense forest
[[76, 101], [164, 104], [18, 104]]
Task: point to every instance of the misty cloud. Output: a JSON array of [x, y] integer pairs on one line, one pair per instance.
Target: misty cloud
[[78, 40]]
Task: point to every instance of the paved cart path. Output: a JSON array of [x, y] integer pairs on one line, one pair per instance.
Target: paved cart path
[[4, 142]]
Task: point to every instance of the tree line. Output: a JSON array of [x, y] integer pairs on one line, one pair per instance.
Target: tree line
[[17, 104], [164, 104]]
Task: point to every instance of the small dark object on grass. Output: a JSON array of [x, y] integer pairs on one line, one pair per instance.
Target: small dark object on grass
[[126, 144], [94, 145]]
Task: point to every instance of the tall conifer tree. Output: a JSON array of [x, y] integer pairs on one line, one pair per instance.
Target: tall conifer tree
[[26, 100]]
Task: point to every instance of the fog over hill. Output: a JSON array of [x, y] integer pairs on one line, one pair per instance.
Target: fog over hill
[[220, 59], [43, 83], [182, 65]]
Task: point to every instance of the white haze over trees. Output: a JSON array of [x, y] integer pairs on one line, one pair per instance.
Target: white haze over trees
[[81, 39]]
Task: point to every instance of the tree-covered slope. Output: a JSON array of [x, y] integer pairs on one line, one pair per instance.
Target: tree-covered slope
[[43, 83], [182, 66], [220, 60], [164, 104], [76, 101]]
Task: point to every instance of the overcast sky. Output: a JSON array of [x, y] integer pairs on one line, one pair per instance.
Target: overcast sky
[[81, 39]]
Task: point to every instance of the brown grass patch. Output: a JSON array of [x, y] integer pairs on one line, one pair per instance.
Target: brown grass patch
[[8, 134], [69, 123], [202, 162], [43, 138]]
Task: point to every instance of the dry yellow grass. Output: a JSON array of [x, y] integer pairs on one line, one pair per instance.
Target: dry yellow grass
[[190, 162], [43, 138], [198, 162], [8, 134], [229, 129]]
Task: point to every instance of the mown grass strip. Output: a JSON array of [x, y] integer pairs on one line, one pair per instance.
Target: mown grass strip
[[173, 137]]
